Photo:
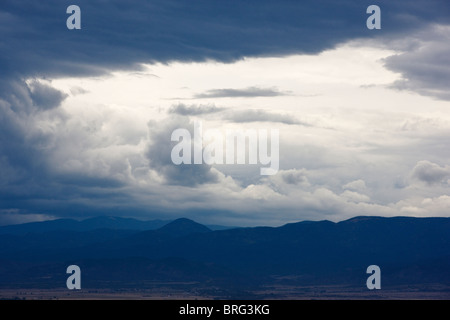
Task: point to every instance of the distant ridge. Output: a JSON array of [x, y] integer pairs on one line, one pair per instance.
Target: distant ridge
[[104, 222]]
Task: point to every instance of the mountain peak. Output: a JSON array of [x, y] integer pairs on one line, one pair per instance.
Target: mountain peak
[[182, 227], [358, 219]]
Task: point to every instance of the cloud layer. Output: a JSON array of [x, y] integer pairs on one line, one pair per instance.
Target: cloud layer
[[86, 115], [115, 35]]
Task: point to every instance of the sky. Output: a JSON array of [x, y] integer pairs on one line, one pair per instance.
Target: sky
[[86, 116]]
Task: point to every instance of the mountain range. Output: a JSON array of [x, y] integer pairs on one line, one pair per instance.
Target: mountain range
[[117, 252]]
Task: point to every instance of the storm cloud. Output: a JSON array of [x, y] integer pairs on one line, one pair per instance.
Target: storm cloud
[[83, 150], [425, 63], [118, 35], [44, 96]]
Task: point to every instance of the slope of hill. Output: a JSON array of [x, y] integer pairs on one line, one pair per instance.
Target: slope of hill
[[182, 227]]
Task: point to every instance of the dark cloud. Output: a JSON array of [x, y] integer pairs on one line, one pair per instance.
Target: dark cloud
[[430, 172], [159, 154], [117, 34], [21, 141], [262, 116], [425, 63], [251, 92], [193, 110], [44, 96], [29, 184]]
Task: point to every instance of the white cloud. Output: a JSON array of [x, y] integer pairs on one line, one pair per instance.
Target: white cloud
[[437, 206]]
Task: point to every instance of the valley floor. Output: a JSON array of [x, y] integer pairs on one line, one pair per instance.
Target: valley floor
[[188, 292]]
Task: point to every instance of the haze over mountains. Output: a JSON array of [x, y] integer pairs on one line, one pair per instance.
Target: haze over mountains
[[116, 252], [84, 225]]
